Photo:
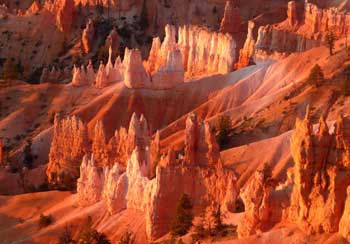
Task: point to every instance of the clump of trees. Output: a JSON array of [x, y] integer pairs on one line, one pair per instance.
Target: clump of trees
[[223, 129], [88, 235], [316, 76], [330, 39], [211, 224], [183, 218]]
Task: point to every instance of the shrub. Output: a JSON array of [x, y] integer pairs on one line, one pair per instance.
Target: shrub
[[316, 76], [182, 221], [127, 238], [223, 131], [44, 221], [90, 235], [330, 39]]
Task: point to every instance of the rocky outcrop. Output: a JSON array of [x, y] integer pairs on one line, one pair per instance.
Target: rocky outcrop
[[260, 203], [246, 54], [69, 144], [89, 184], [109, 73], [231, 22], [205, 180], [273, 40], [316, 191], [54, 75], [112, 40], [87, 37], [205, 52], [64, 16], [33, 9], [320, 21], [292, 13], [135, 75]]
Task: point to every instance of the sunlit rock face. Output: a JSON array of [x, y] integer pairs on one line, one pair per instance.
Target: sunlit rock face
[[64, 15], [316, 191], [88, 37], [89, 185], [69, 144], [205, 52], [301, 32], [246, 54], [231, 22], [135, 75], [263, 205], [199, 173]]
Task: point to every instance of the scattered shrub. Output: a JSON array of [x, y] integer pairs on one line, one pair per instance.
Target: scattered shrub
[[44, 221]]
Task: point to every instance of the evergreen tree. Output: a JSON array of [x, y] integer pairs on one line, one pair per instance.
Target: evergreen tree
[[218, 225], [316, 76], [28, 157], [90, 235], [10, 71], [223, 128], [346, 81], [330, 39], [182, 221]]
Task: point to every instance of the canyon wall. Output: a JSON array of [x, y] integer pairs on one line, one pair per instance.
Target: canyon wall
[[198, 173], [315, 194], [231, 21]]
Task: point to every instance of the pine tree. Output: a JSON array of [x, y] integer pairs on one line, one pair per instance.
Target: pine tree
[[346, 81], [330, 39], [218, 225], [223, 128], [28, 157], [90, 235], [182, 221], [316, 76], [10, 71]]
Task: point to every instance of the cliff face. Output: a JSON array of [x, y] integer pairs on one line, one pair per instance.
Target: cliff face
[[205, 179], [246, 54], [305, 27], [231, 22], [69, 144], [316, 192], [206, 52], [64, 16]]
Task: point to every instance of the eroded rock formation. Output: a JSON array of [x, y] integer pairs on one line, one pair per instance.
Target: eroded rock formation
[[246, 54], [204, 178], [205, 52], [64, 16], [87, 37], [231, 22], [316, 192], [69, 144], [54, 75]]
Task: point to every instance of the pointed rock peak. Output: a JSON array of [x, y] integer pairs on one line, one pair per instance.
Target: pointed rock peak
[[323, 127], [307, 113], [191, 119], [134, 123]]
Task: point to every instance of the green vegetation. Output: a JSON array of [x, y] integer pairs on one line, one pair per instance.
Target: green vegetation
[[91, 236], [223, 131], [182, 221], [330, 39], [44, 221], [316, 76], [346, 81], [28, 157]]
